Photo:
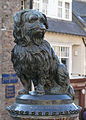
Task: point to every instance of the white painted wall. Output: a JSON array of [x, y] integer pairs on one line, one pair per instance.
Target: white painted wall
[[77, 51]]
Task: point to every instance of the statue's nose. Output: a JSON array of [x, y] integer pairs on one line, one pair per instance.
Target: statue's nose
[[42, 27]]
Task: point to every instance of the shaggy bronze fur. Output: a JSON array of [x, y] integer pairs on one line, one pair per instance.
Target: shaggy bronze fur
[[32, 56]]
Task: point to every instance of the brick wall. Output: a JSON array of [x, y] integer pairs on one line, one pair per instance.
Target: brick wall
[[7, 9]]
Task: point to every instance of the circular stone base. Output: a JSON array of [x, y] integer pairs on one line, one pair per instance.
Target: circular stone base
[[38, 107]]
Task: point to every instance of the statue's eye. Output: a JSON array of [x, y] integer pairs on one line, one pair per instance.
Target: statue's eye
[[42, 20], [33, 19]]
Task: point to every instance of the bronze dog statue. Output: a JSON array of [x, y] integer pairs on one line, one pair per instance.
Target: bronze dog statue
[[34, 59]]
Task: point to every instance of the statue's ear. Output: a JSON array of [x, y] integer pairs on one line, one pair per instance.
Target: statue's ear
[[46, 23], [17, 25], [18, 16]]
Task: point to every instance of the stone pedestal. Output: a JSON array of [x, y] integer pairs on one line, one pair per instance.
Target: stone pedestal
[[71, 118], [44, 107]]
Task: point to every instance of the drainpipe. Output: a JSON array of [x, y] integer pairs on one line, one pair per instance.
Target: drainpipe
[[31, 4]]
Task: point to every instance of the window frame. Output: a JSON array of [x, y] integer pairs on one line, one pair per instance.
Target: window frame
[[36, 2], [61, 8], [70, 55], [45, 6], [68, 10], [56, 9]]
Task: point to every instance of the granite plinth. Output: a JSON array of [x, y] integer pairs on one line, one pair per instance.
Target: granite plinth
[[34, 107]]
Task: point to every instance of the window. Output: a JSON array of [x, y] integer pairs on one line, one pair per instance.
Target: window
[[65, 56], [64, 11], [60, 9], [36, 4], [67, 8], [44, 6], [40, 5]]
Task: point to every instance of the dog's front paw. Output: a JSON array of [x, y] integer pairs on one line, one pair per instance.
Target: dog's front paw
[[40, 90]]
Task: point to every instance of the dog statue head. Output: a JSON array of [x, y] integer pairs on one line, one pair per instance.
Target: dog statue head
[[29, 26]]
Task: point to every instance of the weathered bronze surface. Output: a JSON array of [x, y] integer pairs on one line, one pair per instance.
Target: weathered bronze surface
[[44, 106], [35, 61]]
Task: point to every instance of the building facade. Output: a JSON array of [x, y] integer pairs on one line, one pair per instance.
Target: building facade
[[66, 34]]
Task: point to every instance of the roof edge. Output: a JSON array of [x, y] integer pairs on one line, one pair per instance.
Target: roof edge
[[79, 21], [66, 33]]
